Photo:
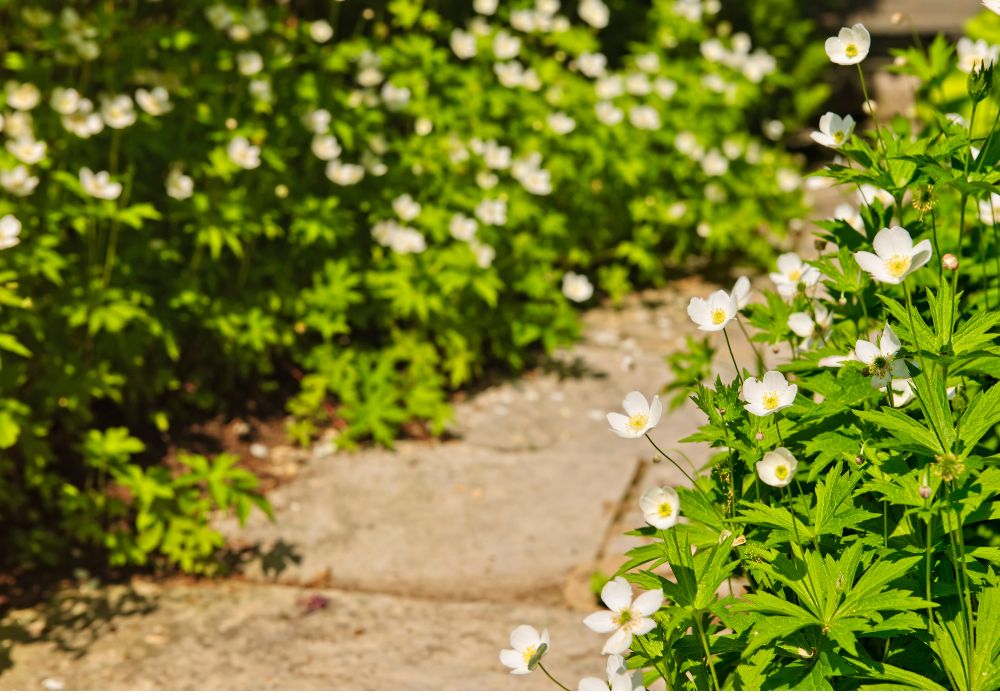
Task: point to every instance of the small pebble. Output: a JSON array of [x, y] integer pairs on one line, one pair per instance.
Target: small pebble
[[258, 450], [53, 684]]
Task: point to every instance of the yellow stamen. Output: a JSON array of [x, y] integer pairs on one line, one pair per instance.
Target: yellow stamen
[[770, 400], [898, 265], [838, 136], [528, 653], [851, 50], [781, 471], [637, 422], [718, 316], [794, 275], [664, 510]]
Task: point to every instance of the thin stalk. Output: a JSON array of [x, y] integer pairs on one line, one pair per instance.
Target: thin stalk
[[996, 249], [927, 575], [920, 359], [761, 367], [937, 249], [708, 653], [546, 672], [871, 111], [671, 460], [739, 375]]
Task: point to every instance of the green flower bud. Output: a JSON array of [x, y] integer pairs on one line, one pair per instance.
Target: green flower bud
[[980, 82]]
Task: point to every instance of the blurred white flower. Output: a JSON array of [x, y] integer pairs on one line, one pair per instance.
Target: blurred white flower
[[369, 74], [495, 156], [22, 96], [777, 467], [118, 112], [975, 54], [687, 143], [561, 123], [665, 88], [463, 227], [239, 33], [344, 173], [485, 7], [423, 126], [619, 678], [463, 44], [691, 10], [714, 164], [895, 256], [219, 16], [155, 102], [400, 239], [317, 121], [406, 207], [27, 150], [527, 649], [852, 216], [773, 129], [595, 13], [769, 394], [530, 80], [243, 153], [19, 125], [487, 180], [256, 20], [992, 5], [813, 328], [484, 253], [644, 117], [648, 62], [608, 114], [713, 313], [989, 211], [868, 194], [249, 62], [10, 230], [850, 46], [320, 31], [99, 184], [325, 146], [791, 273], [609, 87], [18, 181], [395, 98], [788, 180], [881, 359], [638, 84], [260, 90], [577, 287], [84, 122], [834, 130], [660, 507], [592, 65], [741, 293], [505, 46], [537, 182], [179, 185], [639, 418], [64, 100], [625, 617], [492, 212], [524, 20], [758, 65]]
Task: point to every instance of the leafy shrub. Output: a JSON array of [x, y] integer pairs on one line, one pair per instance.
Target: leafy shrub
[[216, 200], [853, 490]]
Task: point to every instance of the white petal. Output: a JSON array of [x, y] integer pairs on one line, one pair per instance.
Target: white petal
[[591, 684], [788, 395], [601, 622], [774, 381], [618, 422], [618, 643], [635, 403], [870, 263], [655, 412], [617, 594], [753, 390], [921, 254], [698, 311], [523, 637], [889, 344], [865, 351], [644, 626], [892, 241], [649, 602], [512, 658], [801, 324]]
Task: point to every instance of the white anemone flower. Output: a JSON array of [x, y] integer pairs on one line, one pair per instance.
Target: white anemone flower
[[624, 617], [249, 62], [118, 112], [27, 150], [592, 65], [714, 163], [318, 120], [19, 125], [483, 252], [834, 130], [243, 153], [665, 88], [485, 7], [713, 313], [10, 230], [406, 207], [527, 649], [972, 55], [463, 44], [619, 678], [895, 256], [22, 96], [395, 98], [608, 114], [644, 117], [492, 212], [320, 31], [660, 507], [18, 181], [769, 394], [777, 467], [992, 5], [989, 211], [561, 123], [850, 46], [344, 173], [99, 184], [609, 87], [179, 185], [640, 416], [155, 102], [463, 228], [325, 146], [881, 359], [595, 13], [506, 46], [792, 273], [814, 328], [65, 100], [741, 293], [577, 287]]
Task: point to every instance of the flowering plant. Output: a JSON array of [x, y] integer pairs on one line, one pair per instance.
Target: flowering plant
[[843, 533]]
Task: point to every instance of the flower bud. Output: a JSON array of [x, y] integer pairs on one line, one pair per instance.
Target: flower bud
[[897, 18], [759, 436], [859, 460], [925, 491], [949, 261], [980, 82]]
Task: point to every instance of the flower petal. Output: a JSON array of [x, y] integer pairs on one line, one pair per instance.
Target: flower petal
[[523, 637], [601, 622], [635, 403], [649, 602], [865, 351], [617, 594], [618, 643]]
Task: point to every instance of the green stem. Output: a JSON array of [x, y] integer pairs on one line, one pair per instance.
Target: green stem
[[546, 672], [920, 361], [739, 375], [871, 111], [937, 249], [674, 462], [761, 367], [708, 652]]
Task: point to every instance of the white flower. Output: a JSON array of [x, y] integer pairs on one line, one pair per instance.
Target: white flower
[[850, 46], [624, 616], [510, 74], [834, 130], [84, 122], [243, 153], [249, 62], [526, 643], [869, 193], [660, 507], [462, 227], [155, 101], [18, 181], [495, 156], [592, 65], [769, 395], [27, 150], [325, 146], [895, 255], [609, 87], [219, 16], [713, 313], [903, 392], [485, 7], [741, 293], [320, 31], [773, 129], [118, 112], [974, 54], [506, 46], [406, 207], [395, 98], [317, 121], [179, 185], [64, 100], [537, 181], [10, 229], [523, 20], [644, 117], [260, 89], [99, 185], [665, 88], [851, 216], [777, 467], [640, 416], [648, 62], [487, 180], [484, 253], [714, 164], [577, 287], [463, 44], [687, 143], [791, 273], [881, 359], [492, 212], [814, 328], [989, 211], [619, 678], [22, 96], [788, 180], [19, 125], [638, 84], [561, 123], [992, 5], [594, 12], [344, 173], [608, 113]]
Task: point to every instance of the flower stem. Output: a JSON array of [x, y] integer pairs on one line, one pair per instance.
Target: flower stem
[[708, 653], [937, 249], [739, 375], [871, 111], [546, 672], [760, 358]]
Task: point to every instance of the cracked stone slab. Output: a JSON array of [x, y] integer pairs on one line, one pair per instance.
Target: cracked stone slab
[[238, 636]]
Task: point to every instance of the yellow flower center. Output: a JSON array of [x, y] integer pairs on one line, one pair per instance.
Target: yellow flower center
[[897, 265], [794, 275], [770, 400], [528, 653], [624, 617], [781, 471], [838, 136], [851, 50], [718, 316], [638, 421], [664, 510]]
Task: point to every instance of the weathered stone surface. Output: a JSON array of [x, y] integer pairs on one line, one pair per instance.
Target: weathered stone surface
[[922, 16]]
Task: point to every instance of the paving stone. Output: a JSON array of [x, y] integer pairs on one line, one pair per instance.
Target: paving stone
[[922, 16]]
